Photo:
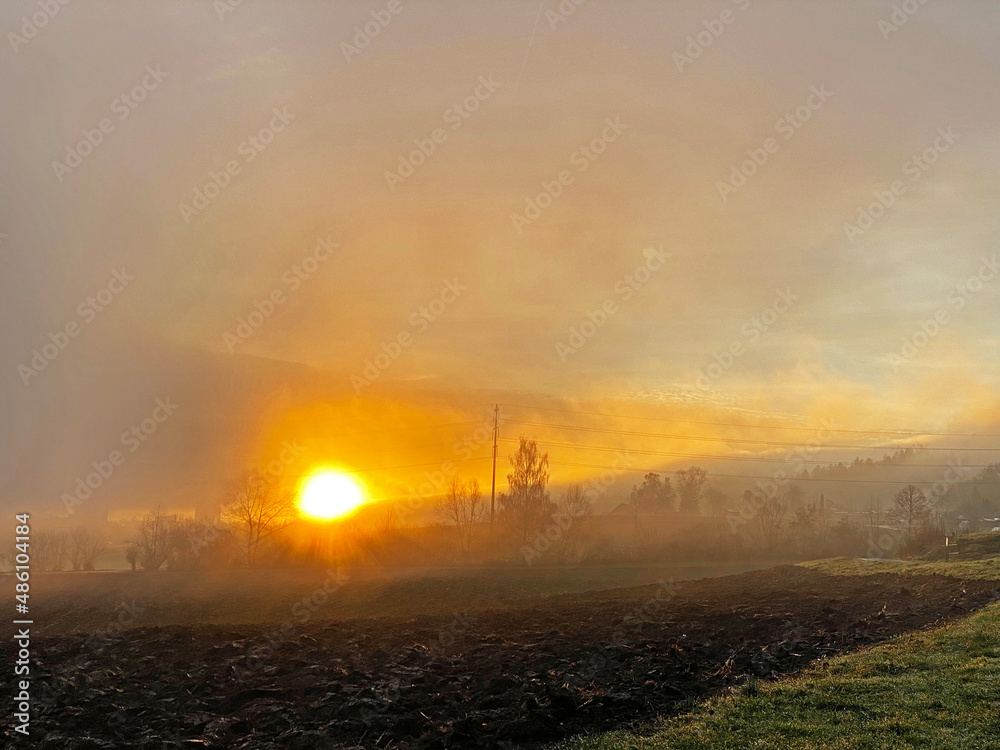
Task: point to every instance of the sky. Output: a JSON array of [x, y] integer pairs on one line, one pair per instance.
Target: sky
[[310, 220]]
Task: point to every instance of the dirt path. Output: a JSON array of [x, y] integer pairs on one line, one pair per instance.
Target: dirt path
[[514, 678]]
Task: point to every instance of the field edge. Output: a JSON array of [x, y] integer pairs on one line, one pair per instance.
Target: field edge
[[925, 689]]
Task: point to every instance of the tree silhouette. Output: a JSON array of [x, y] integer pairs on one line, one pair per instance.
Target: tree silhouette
[[84, 547], [571, 508], [910, 510], [256, 513], [527, 499], [463, 507], [689, 486], [153, 539]]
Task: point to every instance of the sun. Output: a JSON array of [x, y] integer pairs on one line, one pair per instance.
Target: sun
[[327, 495]]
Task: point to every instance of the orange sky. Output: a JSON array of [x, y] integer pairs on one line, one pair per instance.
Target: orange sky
[[438, 273]]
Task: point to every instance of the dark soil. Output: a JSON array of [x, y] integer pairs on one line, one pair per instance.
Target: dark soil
[[519, 677]]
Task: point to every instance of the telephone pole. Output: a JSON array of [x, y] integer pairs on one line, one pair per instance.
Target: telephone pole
[[493, 488]]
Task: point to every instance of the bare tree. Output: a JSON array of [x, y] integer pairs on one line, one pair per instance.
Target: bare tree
[[463, 507], [256, 513], [49, 550], [770, 511], [527, 500], [153, 539], [690, 483], [84, 547], [195, 544], [388, 523], [572, 508], [910, 510]]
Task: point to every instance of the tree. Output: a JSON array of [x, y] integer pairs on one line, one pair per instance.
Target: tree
[[527, 500], [910, 510], [464, 508], [84, 547], [571, 508], [654, 495], [256, 513], [48, 550], [769, 510], [689, 488], [153, 539], [388, 523], [715, 501]]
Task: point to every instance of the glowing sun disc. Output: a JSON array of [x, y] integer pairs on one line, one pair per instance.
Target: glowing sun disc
[[329, 495]]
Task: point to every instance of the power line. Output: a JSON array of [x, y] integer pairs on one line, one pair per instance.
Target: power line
[[745, 458], [412, 427], [379, 450], [345, 470], [791, 479], [739, 440], [758, 426], [410, 466]]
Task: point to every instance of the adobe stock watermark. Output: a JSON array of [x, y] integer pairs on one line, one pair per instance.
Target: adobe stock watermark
[[419, 321], [122, 106], [247, 325], [623, 290], [38, 20], [701, 41], [957, 299], [914, 168], [247, 151], [451, 635], [225, 7], [885, 541], [436, 482], [302, 612], [563, 520], [87, 311], [767, 489], [289, 454], [455, 116], [786, 126], [581, 158], [290, 451], [752, 330], [598, 659], [900, 16], [131, 440], [93, 645], [480, 437], [364, 34], [562, 12]]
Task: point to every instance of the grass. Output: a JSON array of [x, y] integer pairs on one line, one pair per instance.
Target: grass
[[924, 690], [988, 568]]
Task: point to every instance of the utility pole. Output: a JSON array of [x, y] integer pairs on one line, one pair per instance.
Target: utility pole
[[493, 488]]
